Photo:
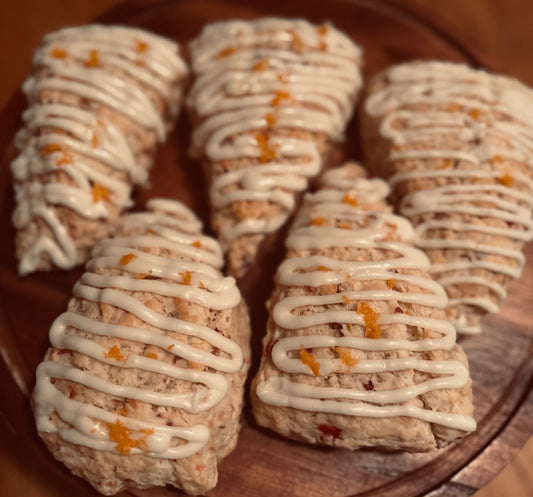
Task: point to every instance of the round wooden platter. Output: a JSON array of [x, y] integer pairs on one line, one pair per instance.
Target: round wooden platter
[[264, 464]]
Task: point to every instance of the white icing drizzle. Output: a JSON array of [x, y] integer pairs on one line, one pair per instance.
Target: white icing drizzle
[[246, 74], [329, 203], [67, 138], [87, 423], [466, 92]]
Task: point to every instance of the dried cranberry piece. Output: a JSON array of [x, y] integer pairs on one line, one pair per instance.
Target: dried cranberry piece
[[330, 431]]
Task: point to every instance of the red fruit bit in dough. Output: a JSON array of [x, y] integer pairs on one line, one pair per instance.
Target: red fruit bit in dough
[[330, 431]]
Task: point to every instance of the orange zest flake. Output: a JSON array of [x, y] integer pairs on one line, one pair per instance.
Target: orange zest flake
[[322, 29], [324, 268], [123, 411], [141, 276], [92, 61], [126, 259], [270, 119], [497, 158], [196, 244], [140, 63], [283, 77], [350, 200], [309, 360], [506, 180], [297, 43], [67, 157], [122, 436], [58, 53], [170, 347], [225, 53], [475, 114], [141, 46], [446, 164], [345, 226], [318, 221], [50, 148], [453, 108], [261, 65], [115, 353], [267, 152], [371, 320], [186, 277], [201, 285], [279, 97], [151, 355], [99, 192], [390, 283], [346, 357], [94, 140], [345, 299]]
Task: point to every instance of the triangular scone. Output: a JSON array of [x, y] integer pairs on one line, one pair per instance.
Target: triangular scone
[[455, 144], [269, 98], [358, 351], [100, 98], [143, 384]]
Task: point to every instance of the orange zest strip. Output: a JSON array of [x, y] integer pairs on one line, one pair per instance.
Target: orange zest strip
[[297, 42], [141, 46], [390, 283], [346, 357], [475, 114], [261, 65], [93, 60], [225, 53], [268, 152], [270, 119], [371, 320], [345, 299], [196, 244], [99, 192], [318, 221], [497, 158], [279, 97], [446, 164], [121, 435], [186, 277], [506, 180], [115, 353], [126, 259], [350, 200], [58, 53], [308, 359], [50, 148], [151, 355]]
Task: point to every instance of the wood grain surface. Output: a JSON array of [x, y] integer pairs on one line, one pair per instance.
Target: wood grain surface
[[500, 357]]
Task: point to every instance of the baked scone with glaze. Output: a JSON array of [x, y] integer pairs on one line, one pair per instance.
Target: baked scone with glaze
[[358, 351], [455, 144], [269, 99], [143, 382], [99, 100]]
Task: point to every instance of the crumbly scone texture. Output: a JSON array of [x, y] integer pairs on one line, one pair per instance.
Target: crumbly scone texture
[[56, 154], [353, 431], [474, 135], [274, 56], [112, 471]]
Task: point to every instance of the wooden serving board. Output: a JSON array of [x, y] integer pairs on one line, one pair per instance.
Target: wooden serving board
[[263, 463]]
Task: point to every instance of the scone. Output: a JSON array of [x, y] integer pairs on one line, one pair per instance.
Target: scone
[[358, 351], [143, 383], [455, 144], [269, 99], [99, 100]]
